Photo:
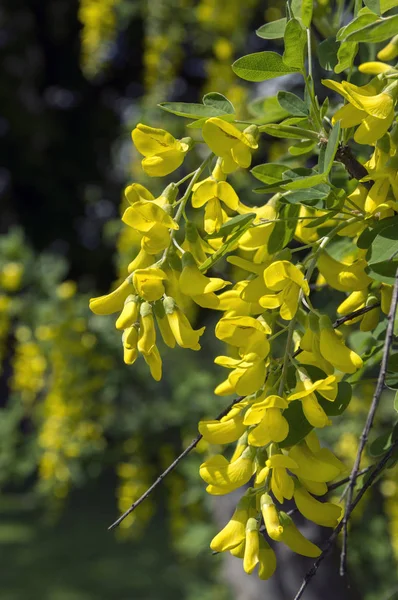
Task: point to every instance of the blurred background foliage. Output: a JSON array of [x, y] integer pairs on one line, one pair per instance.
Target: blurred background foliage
[[81, 434]]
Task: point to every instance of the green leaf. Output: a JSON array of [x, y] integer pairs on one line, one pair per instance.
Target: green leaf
[[392, 365], [343, 398], [302, 147], [309, 197], [383, 271], [267, 109], [368, 235], [219, 102], [302, 183], [233, 225], [346, 55], [295, 40], [289, 132], [273, 30], [303, 10], [325, 107], [186, 109], [381, 6], [331, 147], [396, 401], [261, 66], [355, 25], [299, 427], [269, 173], [327, 53], [283, 230], [292, 104], [381, 444], [384, 246], [376, 32]]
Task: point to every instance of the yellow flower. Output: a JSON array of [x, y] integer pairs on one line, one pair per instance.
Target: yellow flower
[[163, 153], [321, 466], [272, 425], [267, 560], [211, 192], [245, 333], [234, 532], [184, 335], [129, 314], [371, 106], [334, 350], [341, 276], [286, 279], [305, 391], [130, 341], [282, 485], [326, 514], [247, 377], [136, 192], [374, 68], [225, 476], [271, 518], [113, 302], [163, 324], [252, 546], [154, 363], [147, 338], [390, 51], [197, 286], [226, 430], [386, 297], [230, 144], [149, 283], [295, 540]]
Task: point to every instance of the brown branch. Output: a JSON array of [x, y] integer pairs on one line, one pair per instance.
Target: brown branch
[[353, 167], [170, 468], [354, 315], [335, 486], [369, 421], [368, 483]]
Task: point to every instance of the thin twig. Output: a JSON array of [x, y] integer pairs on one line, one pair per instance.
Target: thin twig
[[377, 470], [335, 486], [353, 315], [170, 468], [369, 421]]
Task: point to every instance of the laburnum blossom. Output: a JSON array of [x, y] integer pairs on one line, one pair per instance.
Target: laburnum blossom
[[319, 465], [382, 197], [150, 217], [270, 424], [281, 528], [286, 282], [234, 532], [356, 301], [341, 276], [184, 335], [248, 335], [305, 391], [223, 476], [326, 514], [370, 106], [163, 153], [197, 286], [213, 193], [282, 485], [229, 143], [227, 429], [334, 350]]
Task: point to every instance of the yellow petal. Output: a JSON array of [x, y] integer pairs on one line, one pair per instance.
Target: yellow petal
[[113, 302]]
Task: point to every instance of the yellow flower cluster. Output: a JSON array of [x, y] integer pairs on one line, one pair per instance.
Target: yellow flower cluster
[[285, 391]]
